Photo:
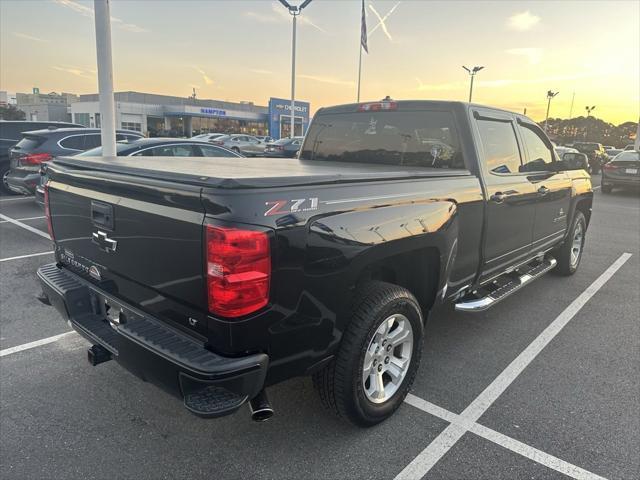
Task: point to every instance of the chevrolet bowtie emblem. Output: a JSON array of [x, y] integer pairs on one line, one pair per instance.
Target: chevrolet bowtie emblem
[[103, 241]]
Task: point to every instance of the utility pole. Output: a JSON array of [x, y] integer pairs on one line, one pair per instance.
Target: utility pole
[[573, 97], [472, 73], [550, 95], [294, 11], [105, 77]]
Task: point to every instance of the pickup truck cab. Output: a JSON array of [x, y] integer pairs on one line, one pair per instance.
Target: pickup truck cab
[[217, 279]]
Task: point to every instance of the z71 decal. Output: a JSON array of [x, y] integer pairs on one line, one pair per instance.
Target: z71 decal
[[284, 207]]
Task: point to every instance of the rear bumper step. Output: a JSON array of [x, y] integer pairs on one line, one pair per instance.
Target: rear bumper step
[[210, 385], [497, 291]]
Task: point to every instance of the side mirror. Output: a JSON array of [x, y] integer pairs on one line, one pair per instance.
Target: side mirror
[[575, 161]]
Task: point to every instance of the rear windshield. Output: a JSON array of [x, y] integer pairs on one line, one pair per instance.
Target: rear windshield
[[589, 146], [413, 139], [628, 156], [29, 142]]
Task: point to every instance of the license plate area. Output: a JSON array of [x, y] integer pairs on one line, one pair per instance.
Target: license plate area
[[631, 171]]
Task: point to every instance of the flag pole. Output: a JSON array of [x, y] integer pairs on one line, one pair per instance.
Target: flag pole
[[359, 72]]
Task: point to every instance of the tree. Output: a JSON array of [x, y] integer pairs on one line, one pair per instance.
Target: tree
[[9, 112], [591, 129]]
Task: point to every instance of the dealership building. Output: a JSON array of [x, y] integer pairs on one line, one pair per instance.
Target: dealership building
[[163, 115]]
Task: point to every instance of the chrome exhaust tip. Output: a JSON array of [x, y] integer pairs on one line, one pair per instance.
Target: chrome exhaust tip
[[260, 407]]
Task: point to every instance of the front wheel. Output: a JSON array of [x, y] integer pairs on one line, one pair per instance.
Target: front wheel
[[378, 358], [569, 253]]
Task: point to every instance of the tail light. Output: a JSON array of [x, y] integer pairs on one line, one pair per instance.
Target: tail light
[[609, 167], [35, 158], [238, 270], [47, 211], [216, 142]]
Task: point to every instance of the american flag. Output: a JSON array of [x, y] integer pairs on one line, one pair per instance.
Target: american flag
[[363, 31]]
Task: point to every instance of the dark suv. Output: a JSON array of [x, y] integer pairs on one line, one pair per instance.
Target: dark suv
[[11, 132], [595, 152], [40, 146]]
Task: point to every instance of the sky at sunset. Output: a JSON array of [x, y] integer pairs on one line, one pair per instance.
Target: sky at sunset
[[241, 50]]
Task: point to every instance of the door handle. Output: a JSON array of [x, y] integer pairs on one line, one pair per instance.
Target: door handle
[[543, 190], [498, 197]]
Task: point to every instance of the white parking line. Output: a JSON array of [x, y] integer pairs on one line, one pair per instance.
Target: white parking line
[[421, 465], [25, 226], [37, 343], [596, 187], [503, 440], [24, 256], [23, 219], [15, 199]]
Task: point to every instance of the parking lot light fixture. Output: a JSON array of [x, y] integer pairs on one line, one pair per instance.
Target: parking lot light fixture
[[294, 11], [472, 73], [550, 96]]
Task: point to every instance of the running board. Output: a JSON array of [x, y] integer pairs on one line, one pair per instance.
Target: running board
[[516, 280]]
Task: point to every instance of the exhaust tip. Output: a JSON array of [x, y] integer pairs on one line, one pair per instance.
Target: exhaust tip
[[260, 407]]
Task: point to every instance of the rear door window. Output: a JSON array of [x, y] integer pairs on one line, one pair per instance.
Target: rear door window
[[170, 151], [211, 151], [426, 139], [92, 141], [74, 142], [500, 146]]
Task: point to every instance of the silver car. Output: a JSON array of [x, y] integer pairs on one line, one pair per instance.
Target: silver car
[[240, 143]]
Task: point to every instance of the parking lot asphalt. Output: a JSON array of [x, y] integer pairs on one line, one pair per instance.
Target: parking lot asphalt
[[573, 411]]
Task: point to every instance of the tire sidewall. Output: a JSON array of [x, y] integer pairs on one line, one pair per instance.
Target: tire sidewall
[[579, 218], [376, 412]]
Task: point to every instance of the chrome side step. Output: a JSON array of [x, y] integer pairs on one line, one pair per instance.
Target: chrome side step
[[497, 291]]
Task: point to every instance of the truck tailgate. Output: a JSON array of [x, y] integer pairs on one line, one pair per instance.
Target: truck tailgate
[[140, 239]]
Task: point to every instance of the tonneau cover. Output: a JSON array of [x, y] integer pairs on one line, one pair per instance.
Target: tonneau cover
[[257, 172]]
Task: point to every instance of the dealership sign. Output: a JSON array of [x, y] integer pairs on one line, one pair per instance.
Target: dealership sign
[[215, 112], [280, 111]]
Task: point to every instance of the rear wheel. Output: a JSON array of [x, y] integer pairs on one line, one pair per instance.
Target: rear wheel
[[570, 253], [4, 187], [235, 149], [378, 358]]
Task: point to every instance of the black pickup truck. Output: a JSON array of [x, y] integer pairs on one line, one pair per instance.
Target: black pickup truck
[[216, 279]]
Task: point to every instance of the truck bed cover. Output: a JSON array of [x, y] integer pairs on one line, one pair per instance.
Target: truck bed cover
[[257, 172]]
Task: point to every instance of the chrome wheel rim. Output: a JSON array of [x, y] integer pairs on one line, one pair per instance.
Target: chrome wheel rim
[[387, 359], [576, 244]]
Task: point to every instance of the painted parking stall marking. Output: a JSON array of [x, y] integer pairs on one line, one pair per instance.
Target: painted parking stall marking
[[25, 256], [30, 345], [25, 226], [425, 461]]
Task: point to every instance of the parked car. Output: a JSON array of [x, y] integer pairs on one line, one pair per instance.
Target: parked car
[[150, 147], [622, 171], [265, 138], [207, 137], [240, 273], [631, 146], [285, 147], [40, 146], [612, 152], [595, 152], [10, 133], [245, 144]]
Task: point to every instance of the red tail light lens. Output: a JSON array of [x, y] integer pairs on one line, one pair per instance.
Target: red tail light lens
[[35, 158], [608, 166], [238, 271], [47, 211]]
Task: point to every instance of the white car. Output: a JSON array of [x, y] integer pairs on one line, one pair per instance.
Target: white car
[[207, 137]]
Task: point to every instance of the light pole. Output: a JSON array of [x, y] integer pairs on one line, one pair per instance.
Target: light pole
[[550, 95], [294, 11], [589, 110], [105, 78], [472, 73]]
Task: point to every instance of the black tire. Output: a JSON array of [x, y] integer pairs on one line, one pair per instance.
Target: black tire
[[235, 149], [607, 188], [4, 171], [567, 265], [340, 384]]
